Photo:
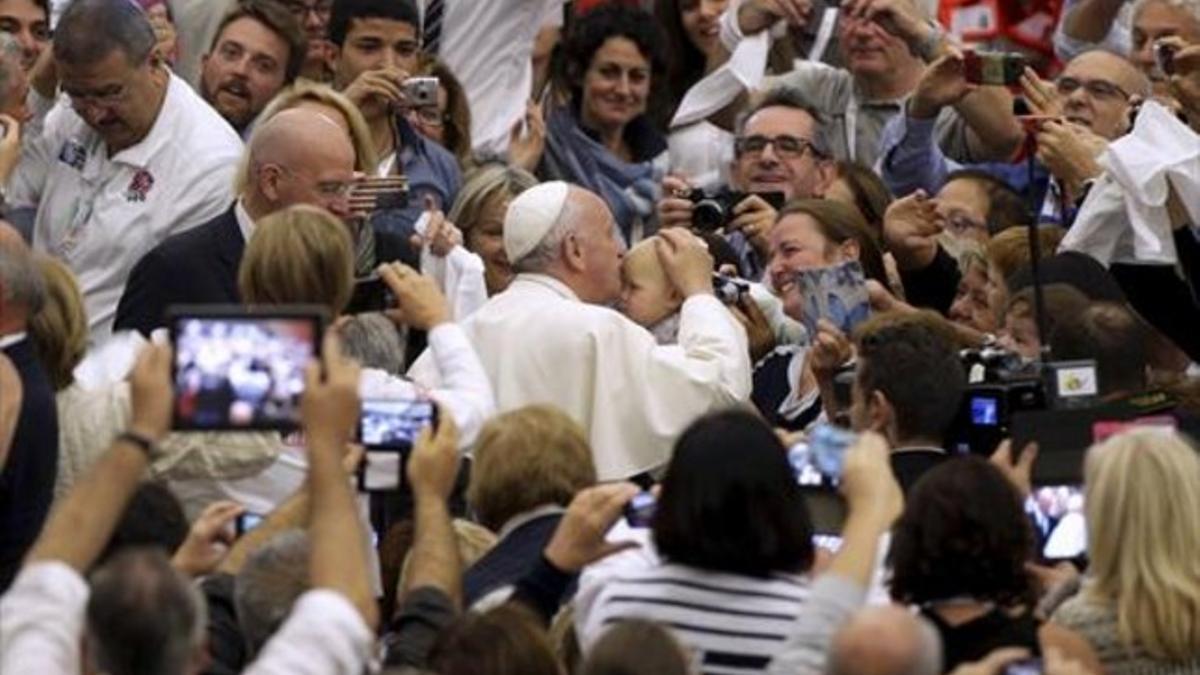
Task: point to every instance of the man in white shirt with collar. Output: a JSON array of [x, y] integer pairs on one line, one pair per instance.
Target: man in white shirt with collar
[[137, 158], [550, 338]]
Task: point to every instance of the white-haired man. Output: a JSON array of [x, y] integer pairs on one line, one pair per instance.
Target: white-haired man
[[550, 338]]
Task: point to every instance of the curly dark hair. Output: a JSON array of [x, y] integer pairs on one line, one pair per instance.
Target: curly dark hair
[[963, 533], [589, 32]]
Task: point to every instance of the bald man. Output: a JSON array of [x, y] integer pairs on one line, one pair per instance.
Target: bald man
[[299, 156], [886, 640]]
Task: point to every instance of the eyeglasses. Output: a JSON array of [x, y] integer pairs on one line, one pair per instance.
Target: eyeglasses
[[786, 147], [328, 189], [301, 9], [1096, 88], [430, 116]]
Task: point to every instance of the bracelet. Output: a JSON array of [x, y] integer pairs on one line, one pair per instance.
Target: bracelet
[[147, 445]]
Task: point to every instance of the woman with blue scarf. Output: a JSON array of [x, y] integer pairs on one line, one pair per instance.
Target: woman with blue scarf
[[601, 138]]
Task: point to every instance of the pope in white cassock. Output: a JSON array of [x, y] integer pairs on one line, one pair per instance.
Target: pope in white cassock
[[549, 338]]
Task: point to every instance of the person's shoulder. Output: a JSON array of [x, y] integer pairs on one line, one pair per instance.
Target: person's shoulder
[[181, 246], [199, 133]]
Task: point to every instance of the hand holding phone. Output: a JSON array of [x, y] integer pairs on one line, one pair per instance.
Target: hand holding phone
[[1001, 69]]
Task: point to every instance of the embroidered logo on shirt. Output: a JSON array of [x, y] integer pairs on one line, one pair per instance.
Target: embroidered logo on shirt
[[73, 154], [139, 186]]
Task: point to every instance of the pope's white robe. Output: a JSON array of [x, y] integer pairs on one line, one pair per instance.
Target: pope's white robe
[[540, 344]]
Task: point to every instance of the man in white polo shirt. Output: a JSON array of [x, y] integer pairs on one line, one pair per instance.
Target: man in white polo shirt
[[138, 156]]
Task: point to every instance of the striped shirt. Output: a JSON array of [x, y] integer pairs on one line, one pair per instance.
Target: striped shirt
[[733, 624]]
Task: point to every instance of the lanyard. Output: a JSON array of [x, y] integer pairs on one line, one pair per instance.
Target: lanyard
[[851, 123], [824, 34]]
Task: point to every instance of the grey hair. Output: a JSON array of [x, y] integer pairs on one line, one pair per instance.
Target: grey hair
[[20, 279], [374, 341], [481, 185], [267, 586], [143, 616], [785, 96], [90, 30], [1192, 7]]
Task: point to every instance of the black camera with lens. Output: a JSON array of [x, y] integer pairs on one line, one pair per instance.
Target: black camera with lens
[[712, 211]]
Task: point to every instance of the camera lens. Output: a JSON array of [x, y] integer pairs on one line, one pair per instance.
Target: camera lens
[[708, 215]]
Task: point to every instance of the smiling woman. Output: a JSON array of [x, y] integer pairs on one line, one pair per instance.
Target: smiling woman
[[601, 139]]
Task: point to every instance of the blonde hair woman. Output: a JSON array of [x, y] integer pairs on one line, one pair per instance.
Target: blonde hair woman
[[479, 212], [1140, 604], [300, 255]]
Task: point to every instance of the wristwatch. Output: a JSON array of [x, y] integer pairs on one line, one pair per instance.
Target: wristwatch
[[144, 443]]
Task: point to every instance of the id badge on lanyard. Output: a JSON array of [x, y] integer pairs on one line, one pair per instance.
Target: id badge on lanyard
[[85, 206]]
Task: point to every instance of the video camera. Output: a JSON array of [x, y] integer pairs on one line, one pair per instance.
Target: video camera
[[1000, 384]]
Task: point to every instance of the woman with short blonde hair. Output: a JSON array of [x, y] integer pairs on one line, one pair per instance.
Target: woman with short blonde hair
[[480, 210], [525, 459], [1140, 604], [60, 329], [300, 255]]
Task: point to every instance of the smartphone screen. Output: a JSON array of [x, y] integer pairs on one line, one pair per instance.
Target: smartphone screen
[[1057, 515], [387, 429], [395, 423], [239, 371], [248, 521]]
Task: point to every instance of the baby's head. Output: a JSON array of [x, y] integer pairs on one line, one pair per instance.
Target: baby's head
[[647, 294]]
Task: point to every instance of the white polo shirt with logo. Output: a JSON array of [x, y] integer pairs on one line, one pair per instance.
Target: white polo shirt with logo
[[101, 214]]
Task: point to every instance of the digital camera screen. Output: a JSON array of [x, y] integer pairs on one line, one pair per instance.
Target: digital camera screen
[[1056, 513], [241, 372], [395, 424], [248, 521], [985, 411]]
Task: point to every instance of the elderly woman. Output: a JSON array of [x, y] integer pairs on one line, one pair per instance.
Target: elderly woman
[[479, 211], [602, 138], [529, 465]]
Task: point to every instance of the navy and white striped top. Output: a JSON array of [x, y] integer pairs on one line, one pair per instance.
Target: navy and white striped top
[[734, 624]]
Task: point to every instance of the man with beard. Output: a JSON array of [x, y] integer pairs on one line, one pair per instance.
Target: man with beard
[[258, 50]]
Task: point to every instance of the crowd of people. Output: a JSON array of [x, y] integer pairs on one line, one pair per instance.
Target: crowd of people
[[674, 336]]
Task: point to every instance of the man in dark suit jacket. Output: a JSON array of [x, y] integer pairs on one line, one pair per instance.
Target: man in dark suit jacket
[[298, 156], [27, 478], [908, 386]]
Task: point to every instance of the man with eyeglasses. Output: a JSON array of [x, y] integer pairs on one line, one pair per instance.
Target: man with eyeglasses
[[133, 155], [1086, 108], [780, 147], [299, 156], [258, 51]]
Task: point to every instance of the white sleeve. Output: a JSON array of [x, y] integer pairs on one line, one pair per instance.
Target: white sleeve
[[460, 276], [462, 384], [41, 620], [38, 153], [713, 339], [324, 635], [731, 32]]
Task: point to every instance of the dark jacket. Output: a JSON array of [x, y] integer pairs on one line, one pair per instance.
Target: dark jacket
[[200, 267], [27, 482]]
